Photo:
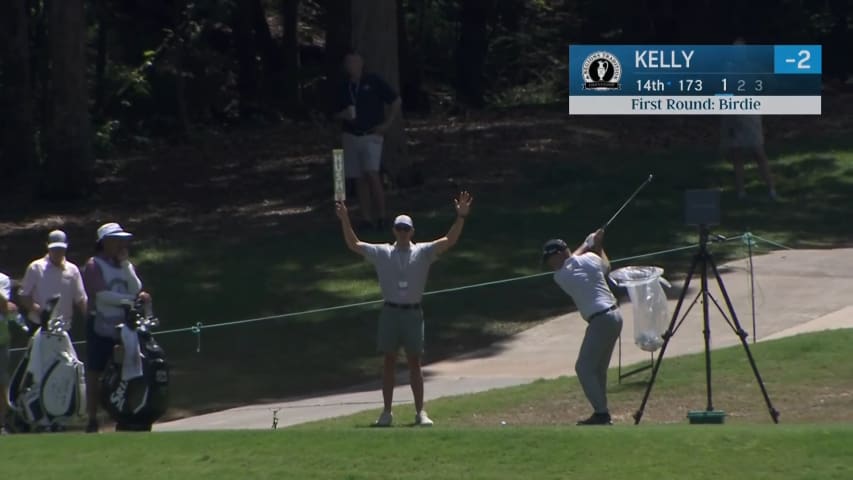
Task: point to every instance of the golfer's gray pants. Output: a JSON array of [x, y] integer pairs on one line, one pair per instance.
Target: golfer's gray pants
[[594, 357]]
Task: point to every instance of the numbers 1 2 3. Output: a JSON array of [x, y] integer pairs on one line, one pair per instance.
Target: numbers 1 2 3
[[758, 85]]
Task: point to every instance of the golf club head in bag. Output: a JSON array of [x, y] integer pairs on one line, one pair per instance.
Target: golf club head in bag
[[135, 384]]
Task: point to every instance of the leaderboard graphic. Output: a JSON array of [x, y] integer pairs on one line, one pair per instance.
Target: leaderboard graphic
[[694, 79]]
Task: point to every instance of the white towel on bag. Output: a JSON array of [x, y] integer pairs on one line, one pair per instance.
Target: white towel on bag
[[131, 367]]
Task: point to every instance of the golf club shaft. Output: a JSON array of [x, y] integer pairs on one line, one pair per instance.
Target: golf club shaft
[[642, 185]]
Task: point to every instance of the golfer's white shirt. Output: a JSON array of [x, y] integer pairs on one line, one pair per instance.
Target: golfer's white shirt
[[583, 277]]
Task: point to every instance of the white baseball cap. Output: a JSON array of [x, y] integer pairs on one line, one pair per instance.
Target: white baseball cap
[[404, 220], [112, 229], [57, 239]]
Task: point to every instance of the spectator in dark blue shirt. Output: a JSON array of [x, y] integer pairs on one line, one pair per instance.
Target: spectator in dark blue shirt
[[366, 105]]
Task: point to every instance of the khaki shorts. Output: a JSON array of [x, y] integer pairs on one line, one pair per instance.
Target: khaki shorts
[[741, 132], [362, 154], [400, 327]]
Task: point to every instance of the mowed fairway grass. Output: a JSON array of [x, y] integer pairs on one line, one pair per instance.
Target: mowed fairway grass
[[673, 452], [809, 377]]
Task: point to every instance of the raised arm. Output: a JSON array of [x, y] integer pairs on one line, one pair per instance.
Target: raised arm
[[352, 241], [134, 284], [463, 208], [594, 243]]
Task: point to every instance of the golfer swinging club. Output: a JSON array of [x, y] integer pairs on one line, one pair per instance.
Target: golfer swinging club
[[402, 269], [582, 275]]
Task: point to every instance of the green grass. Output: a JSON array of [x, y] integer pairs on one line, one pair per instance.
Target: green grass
[[684, 452], [216, 278], [807, 377]]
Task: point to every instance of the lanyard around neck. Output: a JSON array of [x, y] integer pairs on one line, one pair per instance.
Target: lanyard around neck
[[403, 259]]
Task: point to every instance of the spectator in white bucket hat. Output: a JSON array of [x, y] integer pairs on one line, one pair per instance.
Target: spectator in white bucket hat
[[111, 282]]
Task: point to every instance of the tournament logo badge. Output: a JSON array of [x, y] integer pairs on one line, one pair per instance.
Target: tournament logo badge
[[601, 71]]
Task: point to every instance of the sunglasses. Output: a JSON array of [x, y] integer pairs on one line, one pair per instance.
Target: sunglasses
[[402, 228]]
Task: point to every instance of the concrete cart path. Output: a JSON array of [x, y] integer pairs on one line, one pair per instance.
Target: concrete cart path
[[796, 291]]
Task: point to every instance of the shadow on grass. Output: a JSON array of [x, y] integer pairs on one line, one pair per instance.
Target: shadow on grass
[[535, 181], [503, 238]]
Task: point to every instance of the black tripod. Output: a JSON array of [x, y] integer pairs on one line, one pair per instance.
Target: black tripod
[[703, 260]]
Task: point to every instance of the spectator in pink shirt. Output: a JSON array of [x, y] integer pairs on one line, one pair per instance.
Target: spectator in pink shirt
[[53, 275]]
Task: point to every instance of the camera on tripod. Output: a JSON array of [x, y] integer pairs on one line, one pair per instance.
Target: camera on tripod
[[702, 209]]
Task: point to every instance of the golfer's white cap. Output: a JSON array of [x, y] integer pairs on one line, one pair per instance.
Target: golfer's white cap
[[404, 220], [57, 239], [112, 229]]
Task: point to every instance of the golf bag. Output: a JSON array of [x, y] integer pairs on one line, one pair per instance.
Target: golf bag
[[135, 384], [48, 387]]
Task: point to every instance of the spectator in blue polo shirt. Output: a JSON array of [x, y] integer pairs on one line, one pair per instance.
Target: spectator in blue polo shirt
[[366, 105]]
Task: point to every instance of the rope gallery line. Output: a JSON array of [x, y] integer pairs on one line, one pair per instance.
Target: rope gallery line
[[199, 326]]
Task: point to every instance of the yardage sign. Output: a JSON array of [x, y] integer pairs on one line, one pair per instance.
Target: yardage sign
[[694, 79]]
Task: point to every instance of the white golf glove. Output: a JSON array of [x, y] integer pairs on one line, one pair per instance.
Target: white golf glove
[[589, 243]]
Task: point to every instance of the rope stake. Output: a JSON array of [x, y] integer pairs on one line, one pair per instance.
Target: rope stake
[[196, 329]]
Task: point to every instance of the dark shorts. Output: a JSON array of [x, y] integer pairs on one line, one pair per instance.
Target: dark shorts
[[99, 349]]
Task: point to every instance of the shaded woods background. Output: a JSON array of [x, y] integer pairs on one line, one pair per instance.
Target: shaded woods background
[[83, 79]]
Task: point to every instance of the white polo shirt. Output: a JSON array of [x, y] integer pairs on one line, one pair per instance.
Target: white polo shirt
[[402, 272], [43, 280], [583, 277]]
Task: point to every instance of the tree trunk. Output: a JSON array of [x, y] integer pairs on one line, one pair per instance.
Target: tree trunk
[[41, 78], [244, 43], [17, 144], [269, 51], [423, 46], [292, 85], [410, 82], [101, 62], [69, 163], [840, 38], [471, 51], [337, 19], [374, 35], [179, 55]]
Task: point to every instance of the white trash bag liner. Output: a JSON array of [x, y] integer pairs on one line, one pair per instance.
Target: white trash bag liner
[[651, 312]]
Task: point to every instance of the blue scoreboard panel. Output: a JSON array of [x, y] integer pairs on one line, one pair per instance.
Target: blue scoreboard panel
[[694, 79]]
